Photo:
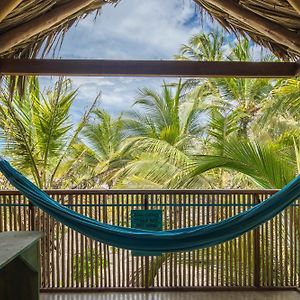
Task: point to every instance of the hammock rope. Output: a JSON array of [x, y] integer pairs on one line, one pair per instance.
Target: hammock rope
[[177, 240]]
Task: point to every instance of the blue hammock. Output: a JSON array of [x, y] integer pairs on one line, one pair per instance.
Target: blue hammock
[[184, 239]]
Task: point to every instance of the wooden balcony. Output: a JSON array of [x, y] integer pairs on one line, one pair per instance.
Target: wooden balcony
[[266, 258]]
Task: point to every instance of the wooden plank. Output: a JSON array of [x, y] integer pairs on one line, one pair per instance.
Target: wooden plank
[[256, 252], [131, 192], [13, 244], [146, 68]]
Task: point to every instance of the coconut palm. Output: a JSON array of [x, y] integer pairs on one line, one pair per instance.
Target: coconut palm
[[164, 133], [244, 95], [269, 165], [37, 132], [280, 113], [166, 117], [103, 150], [204, 47]]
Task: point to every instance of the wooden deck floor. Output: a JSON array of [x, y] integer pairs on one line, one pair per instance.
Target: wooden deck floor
[[263, 295]]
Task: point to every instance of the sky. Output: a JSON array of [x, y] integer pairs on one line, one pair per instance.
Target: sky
[[133, 29]]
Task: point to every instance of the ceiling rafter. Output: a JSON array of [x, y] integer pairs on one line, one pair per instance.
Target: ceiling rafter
[[147, 68]]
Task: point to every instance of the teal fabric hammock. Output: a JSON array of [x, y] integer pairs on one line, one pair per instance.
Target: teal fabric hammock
[[184, 239]]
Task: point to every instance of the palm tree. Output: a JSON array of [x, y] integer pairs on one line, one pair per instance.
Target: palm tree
[[244, 95], [103, 150], [280, 113], [164, 133], [37, 132], [204, 47], [166, 117], [269, 165]]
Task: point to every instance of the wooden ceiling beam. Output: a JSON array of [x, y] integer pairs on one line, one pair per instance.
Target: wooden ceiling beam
[[266, 27], [146, 68], [25, 31], [7, 6]]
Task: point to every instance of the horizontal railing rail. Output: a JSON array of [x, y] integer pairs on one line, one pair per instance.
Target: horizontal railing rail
[[148, 192], [266, 257]]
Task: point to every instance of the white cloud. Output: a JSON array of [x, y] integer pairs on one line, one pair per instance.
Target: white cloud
[[138, 29], [134, 29]]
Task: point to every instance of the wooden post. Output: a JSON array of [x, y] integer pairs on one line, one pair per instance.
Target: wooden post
[[32, 216], [256, 251], [146, 207]]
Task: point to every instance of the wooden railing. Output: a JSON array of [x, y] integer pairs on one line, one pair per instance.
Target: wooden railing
[[266, 257]]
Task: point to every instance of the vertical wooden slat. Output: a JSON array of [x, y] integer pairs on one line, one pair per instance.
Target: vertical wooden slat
[[129, 258], [286, 242], [276, 250], [227, 256], [272, 253], [2, 207], [203, 199], [58, 243], [122, 257], [207, 250], [175, 223], [235, 241], [222, 246], [194, 223], [113, 249], [198, 251], [212, 249], [281, 268], [180, 258], [98, 255], [245, 237], [71, 248], [256, 252]]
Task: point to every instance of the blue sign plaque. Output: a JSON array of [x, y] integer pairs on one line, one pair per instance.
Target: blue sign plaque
[[146, 219]]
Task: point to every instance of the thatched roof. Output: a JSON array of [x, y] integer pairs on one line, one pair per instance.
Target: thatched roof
[[26, 26], [274, 24]]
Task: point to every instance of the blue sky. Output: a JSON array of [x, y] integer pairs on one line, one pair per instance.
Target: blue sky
[[134, 29]]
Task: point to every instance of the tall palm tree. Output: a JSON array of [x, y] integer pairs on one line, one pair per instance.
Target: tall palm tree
[[166, 130], [240, 94], [280, 113], [166, 117], [103, 150], [36, 130], [204, 47]]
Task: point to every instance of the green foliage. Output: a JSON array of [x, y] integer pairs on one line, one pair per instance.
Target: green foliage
[[37, 132], [103, 150], [84, 264], [256, 160], [191, 134]]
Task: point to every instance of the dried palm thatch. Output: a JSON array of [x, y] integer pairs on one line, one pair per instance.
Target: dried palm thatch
[[274, 24], [29, 27]]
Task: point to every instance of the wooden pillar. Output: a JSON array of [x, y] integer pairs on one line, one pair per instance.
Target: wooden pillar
[[256, 251], [146, 207]]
